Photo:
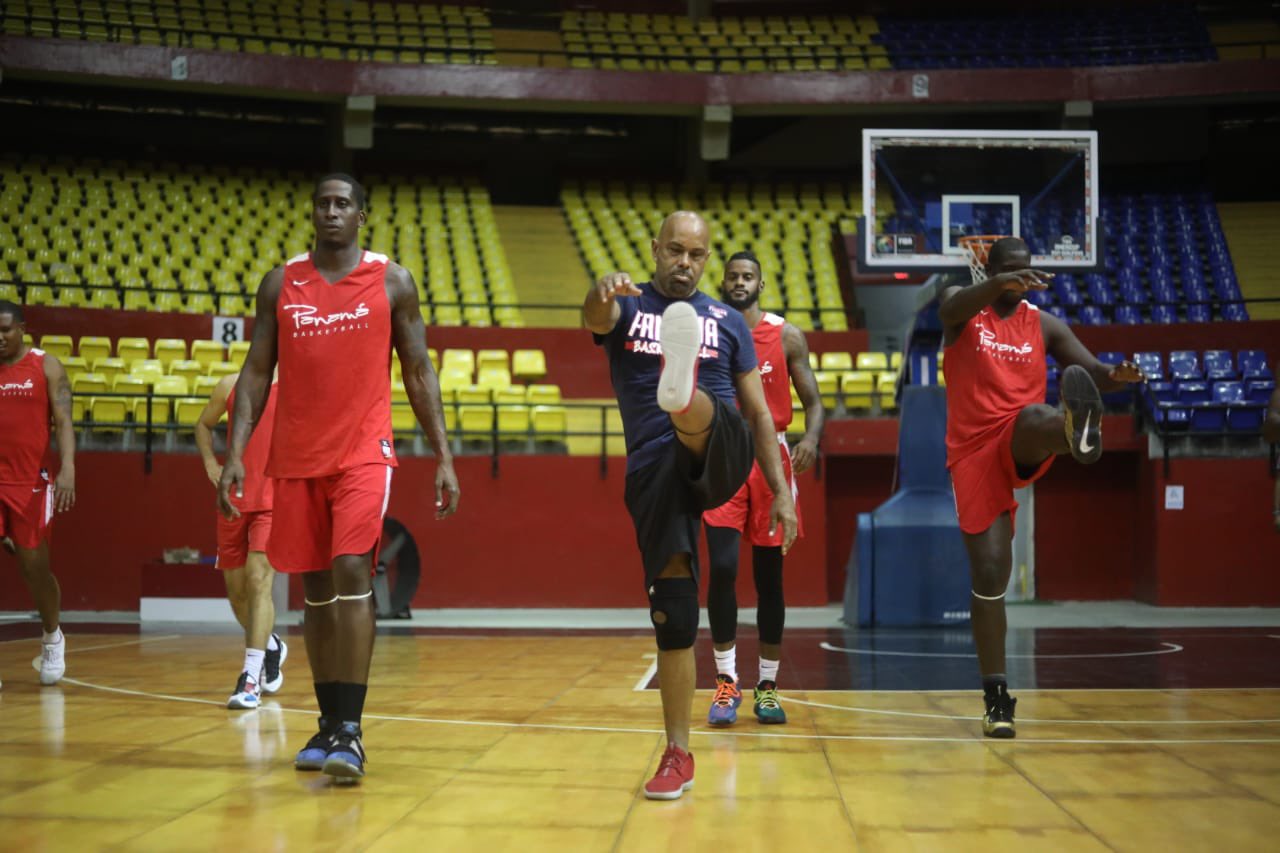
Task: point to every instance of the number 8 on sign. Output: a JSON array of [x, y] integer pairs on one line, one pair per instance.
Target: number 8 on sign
[[227, 330]]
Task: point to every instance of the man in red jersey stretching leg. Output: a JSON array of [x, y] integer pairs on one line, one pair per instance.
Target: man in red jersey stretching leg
[[783, 355], [329, 319], [1001, 436], [34, 391]]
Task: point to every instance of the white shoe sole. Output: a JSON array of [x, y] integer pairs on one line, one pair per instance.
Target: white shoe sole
[[672, 795], [49, 677], [681, 338], [243, 702]]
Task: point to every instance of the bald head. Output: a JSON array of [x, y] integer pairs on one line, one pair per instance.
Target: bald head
[[680, 252]]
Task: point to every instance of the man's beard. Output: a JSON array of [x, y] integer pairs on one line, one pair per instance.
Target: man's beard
[[742, 304]]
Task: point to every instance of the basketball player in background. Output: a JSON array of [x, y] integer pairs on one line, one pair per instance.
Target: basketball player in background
[[678, 361], [783, 356], [242, 548], [329, 319], [1001, 436], [34, 391]]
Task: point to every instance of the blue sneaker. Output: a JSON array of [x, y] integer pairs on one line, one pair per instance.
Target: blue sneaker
[[312, 756], [345, 761], [724, 706]]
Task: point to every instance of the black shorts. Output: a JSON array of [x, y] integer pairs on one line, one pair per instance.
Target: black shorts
[[666, 499]]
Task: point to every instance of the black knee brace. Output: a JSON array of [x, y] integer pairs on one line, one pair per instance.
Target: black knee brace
[[673, 607]]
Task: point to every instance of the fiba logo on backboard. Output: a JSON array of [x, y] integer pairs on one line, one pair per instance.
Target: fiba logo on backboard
[[1067, 249]]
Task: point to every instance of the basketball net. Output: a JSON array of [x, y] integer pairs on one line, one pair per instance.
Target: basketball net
[[975, 251]]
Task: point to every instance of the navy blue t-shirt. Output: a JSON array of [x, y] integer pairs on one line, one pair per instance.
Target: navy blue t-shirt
[[635, 360]]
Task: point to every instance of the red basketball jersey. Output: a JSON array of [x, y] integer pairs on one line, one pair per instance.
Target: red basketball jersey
[[257, 485], [771, 354], [333, 409], [24, 419], [994, 369]]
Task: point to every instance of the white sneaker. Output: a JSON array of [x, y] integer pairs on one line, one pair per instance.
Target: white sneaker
[[248, 693], [681, 338], [53, 661], [272, 676]]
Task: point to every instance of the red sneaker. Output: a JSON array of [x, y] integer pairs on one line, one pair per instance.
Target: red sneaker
[[674, 776]]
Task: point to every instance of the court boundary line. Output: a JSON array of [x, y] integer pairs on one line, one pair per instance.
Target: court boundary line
[[501, 724], [1170, 649], [888, 713]]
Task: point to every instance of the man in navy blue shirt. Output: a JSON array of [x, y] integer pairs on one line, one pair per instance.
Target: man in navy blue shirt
[[679, 360]]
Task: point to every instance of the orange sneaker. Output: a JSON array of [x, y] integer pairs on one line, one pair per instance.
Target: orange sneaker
[[724, 705], [674, 776]]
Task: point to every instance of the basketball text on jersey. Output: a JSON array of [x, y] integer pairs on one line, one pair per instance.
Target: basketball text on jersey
[[16, 388], [304, 317], [1008, 352], [646, 329]]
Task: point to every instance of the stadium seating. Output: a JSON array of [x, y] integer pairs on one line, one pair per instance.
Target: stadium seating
[[787, 225], [1166, 261], [730, 44], [1211, 392], [169, 238], [324, 29], [1114, 34]]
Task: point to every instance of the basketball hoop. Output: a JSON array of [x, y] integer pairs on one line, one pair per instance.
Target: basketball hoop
[[975, 251]]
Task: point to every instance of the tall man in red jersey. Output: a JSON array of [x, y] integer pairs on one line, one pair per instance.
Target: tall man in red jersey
[[329, 319], [783, 356], [34, 390], [1001, 436], [242, 548]]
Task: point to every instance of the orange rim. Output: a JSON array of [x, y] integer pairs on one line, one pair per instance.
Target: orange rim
[[977, 245]]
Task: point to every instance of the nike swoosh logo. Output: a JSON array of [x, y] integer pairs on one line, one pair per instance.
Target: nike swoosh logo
[[300, 283], [1085, 447]]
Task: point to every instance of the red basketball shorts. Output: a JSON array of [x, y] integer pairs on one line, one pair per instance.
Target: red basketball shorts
[[985, 479], [748, 510], [320, 518], [238, 536], [26, 513]]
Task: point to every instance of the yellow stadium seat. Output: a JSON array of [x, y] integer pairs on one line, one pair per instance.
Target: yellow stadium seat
[[813, 360], [886, 382], [108, 414], [494, 377], [489, 358], [82, 386], [528, 365], [513, 414], [169, 350], [237, 351], [74, 365], [186, 411], [110, 367], [475, 421], [187, 369], [828, 386], [872, 361], [459, 359], [434, 355], [858, 388], [403, 421], [58, 346], [895, 360], [836, 361], [149, 369], [451, 379], [93, 347], [543, 395], [206, 352], [132, 349], [222, 368], [204, 385], [550, 423]]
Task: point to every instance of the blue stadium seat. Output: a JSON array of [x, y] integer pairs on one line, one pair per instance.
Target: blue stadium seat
[[1253, 364], [1152, 364], [1242, 415], [1185, 364], [1219, 364], [1127, 314], [1260, 390]]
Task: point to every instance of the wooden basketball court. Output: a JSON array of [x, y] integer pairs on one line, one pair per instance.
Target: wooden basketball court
[[541, 741]]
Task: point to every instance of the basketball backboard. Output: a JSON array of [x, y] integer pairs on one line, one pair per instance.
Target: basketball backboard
[[925, 189]]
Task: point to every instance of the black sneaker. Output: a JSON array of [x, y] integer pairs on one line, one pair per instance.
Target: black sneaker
[[998, 720], [1082, 406], [345, 761], [312, 756], [272, 678]]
